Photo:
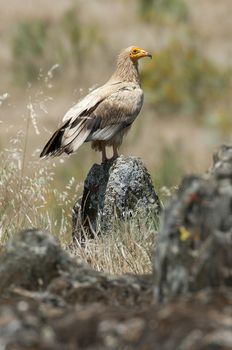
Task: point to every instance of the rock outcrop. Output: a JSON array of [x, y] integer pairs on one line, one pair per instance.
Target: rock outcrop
[[50, 300], [53, 301], [116, 189], [35, 261], [195, 239], [201, 321]]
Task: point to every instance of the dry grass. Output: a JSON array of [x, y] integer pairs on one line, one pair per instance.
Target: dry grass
[[127, 249], [33, 201], [27, 197]]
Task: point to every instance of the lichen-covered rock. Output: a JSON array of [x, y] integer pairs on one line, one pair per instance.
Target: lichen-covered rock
[[195, 239], [78, 308], [32, 258], [118, 188], [201, 321], [34, 261], [222, 163]]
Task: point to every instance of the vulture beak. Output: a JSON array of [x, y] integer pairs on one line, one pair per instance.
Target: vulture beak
[[145, 54]]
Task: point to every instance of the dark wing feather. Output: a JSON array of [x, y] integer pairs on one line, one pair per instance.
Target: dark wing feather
[[52, 147]]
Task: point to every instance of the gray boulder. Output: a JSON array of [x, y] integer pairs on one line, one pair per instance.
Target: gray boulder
[[32, 259], [195, 239], [116, 189], [34, 265]]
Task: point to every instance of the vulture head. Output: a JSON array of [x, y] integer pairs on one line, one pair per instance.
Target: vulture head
[[135, 53]]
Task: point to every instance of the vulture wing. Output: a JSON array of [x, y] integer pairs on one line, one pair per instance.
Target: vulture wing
[[116, 112], [99, 116]]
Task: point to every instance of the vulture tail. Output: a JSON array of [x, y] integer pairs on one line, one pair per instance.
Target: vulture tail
[[54, 146]]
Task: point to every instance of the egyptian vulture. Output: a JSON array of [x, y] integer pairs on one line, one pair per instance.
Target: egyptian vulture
[[105, 114]]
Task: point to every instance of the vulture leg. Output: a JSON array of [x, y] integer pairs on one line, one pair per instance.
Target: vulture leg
[[115, 152], [103, 150]]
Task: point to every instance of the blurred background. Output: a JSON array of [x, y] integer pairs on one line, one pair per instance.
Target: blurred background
[[53, 52]]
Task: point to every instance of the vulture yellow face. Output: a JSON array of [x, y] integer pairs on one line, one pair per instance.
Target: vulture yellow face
[[137, 53]]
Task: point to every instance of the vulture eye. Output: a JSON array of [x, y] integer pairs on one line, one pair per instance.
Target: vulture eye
[[135, 51]]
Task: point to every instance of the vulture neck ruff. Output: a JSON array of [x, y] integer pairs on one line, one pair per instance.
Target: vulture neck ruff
[[127, 69]]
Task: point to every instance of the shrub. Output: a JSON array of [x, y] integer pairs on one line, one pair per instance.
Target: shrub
[[170, 168], [37, 44], [29, 49], [80, 38], [180, 78], [160, 10]]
